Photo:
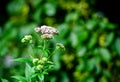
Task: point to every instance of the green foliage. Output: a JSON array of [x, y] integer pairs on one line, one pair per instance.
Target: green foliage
[[4, 80], [92, 42]]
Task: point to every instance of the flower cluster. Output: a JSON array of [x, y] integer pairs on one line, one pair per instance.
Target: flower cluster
[[27, 38], [43, 63], [46, 31], [60, 46], [41, 66]]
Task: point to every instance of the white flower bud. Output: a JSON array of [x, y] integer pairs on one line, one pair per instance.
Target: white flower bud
[[41, 62], [60, 46], [39, 67], [44, 59], [35, 60], [27, 38]]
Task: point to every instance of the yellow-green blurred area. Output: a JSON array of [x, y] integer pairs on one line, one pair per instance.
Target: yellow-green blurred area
[[91, 40]]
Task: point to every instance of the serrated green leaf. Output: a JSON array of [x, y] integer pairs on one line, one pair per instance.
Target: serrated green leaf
[[22, 60], [34, 75], [28, 72], [20, 78]]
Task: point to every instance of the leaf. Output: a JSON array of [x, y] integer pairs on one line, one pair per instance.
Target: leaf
[[34, 75], [107, 73], [90, 25], [64, 77], [103, 24], [71, 17], [91, 64], [28, 72], [56, 60], [4, 80], [37, 14], [81, 51], [111, 26], [103, 79], [45, 73], [90, 79], [22, 60], [82, 35], [45, 53], [109, 38], [117, 45], [63, 29], [36, 2], [74, 39], [20, 78], [93, 41], [50, 9], [105, 54], [40, 47], [41, 77]]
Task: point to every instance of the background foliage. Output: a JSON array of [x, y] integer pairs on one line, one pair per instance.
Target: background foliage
[[92, 42]]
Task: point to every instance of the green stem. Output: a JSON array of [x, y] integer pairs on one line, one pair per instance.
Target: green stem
[[52, 53], [33, 52], [44, 45]]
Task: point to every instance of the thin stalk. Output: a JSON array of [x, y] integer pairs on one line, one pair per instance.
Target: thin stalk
[[44, 44], [52, 53], [33, 52]]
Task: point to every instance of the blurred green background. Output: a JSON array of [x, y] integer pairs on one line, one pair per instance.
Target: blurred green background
[[91, 39]]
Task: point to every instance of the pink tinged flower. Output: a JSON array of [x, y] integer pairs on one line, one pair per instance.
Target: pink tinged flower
[[43, 29], [48, 30], [47, 36]]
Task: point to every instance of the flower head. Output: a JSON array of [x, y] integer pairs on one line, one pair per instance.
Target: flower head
[[35, 60], [39, 67], [60, 46], [27, 38], [46, 30]]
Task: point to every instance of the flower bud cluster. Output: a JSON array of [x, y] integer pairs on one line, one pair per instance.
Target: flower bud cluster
[[42, 64], [46, 31], [60, 46], [27, 39]]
